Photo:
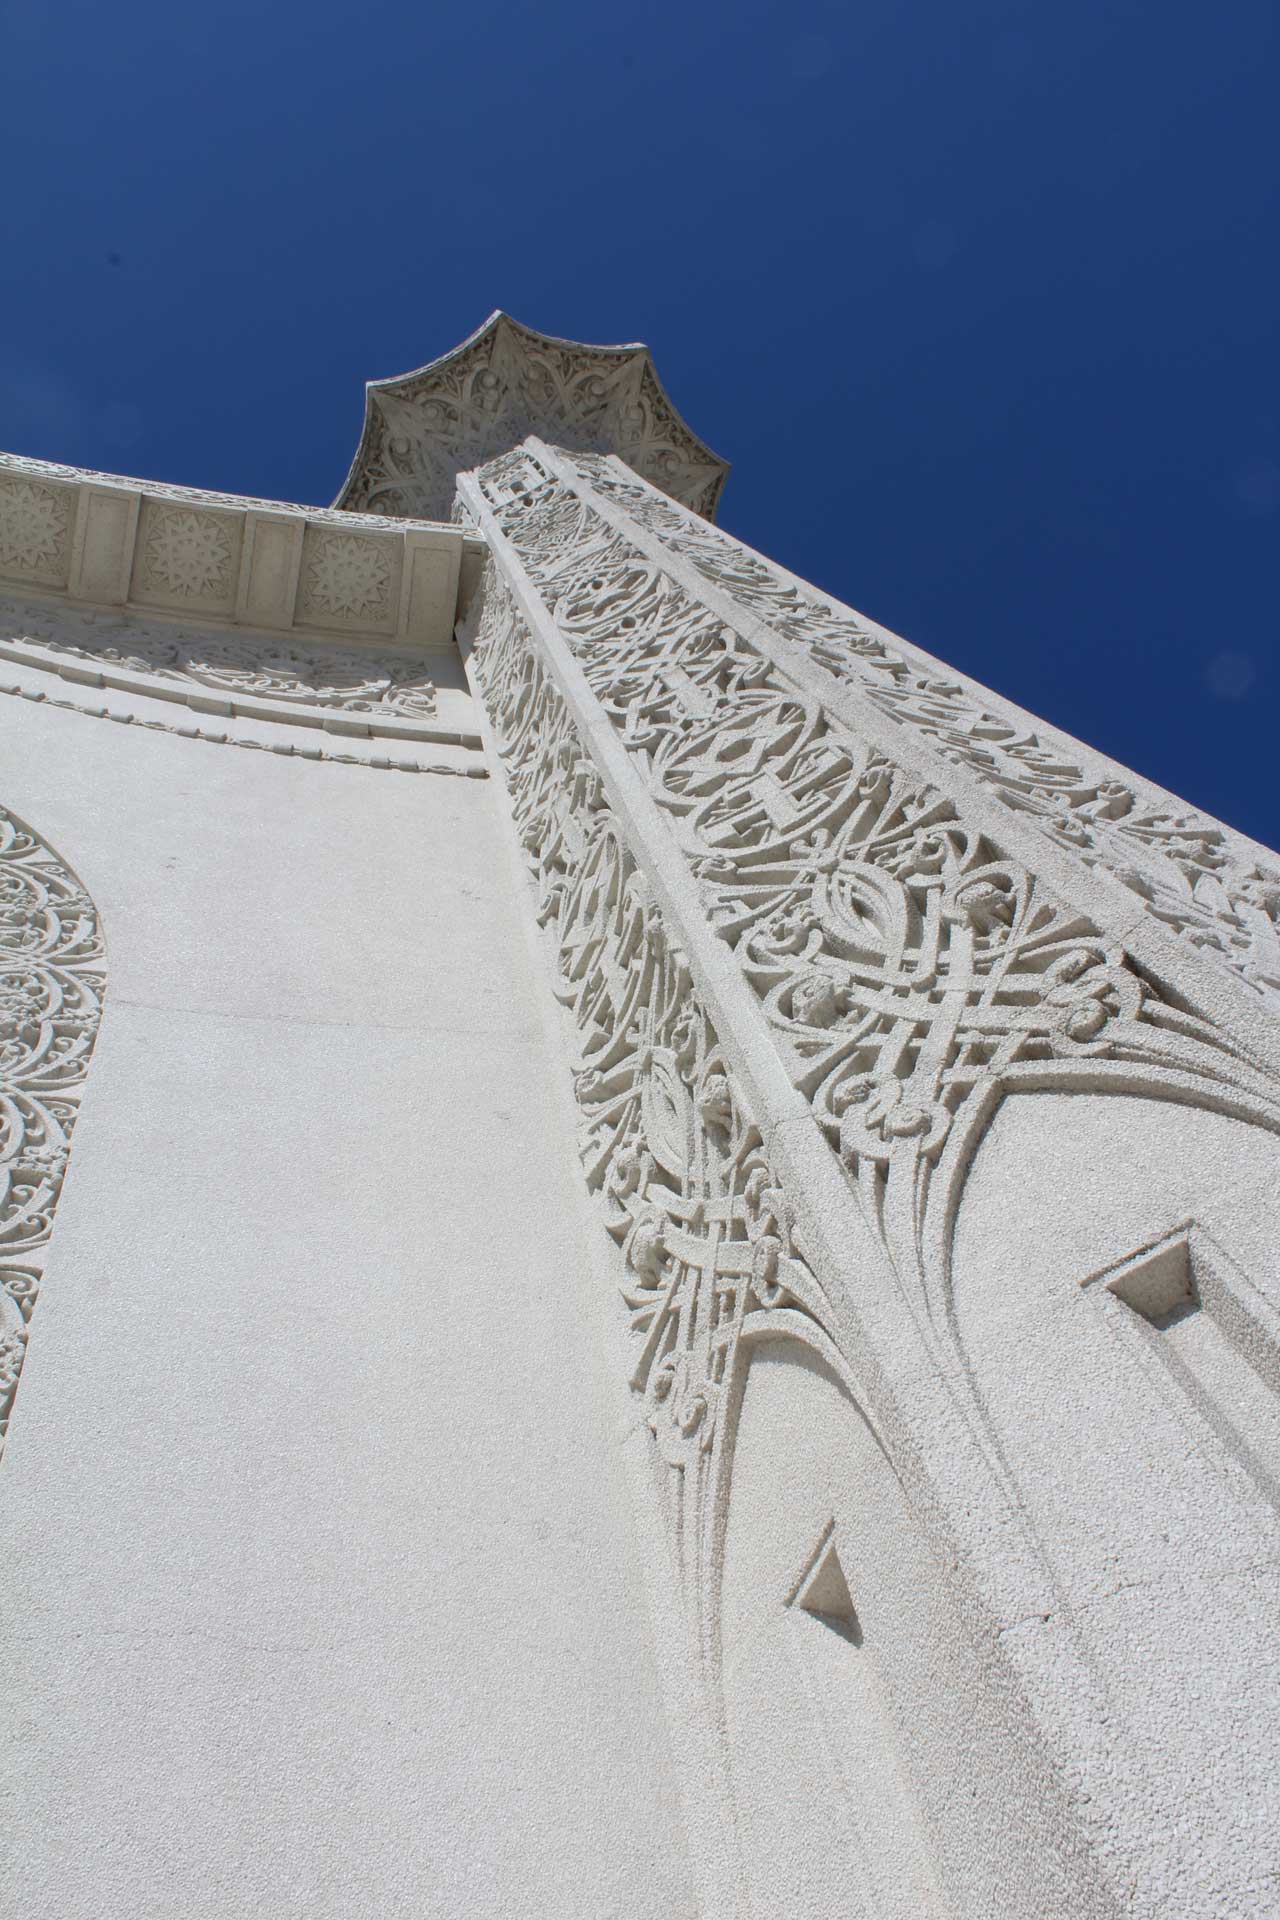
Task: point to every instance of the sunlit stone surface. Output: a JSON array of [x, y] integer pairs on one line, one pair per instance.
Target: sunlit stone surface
[[637, 1238]]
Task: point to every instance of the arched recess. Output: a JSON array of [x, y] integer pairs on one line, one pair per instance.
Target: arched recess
[[51, 983], [1114, 1293], [873, 1769]]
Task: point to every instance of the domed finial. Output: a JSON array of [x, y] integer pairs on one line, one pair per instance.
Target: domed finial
[[423, 429]]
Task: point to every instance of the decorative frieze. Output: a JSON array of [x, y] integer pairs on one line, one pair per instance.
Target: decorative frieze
[[463, 767], [109, 541], [35, 529], [269, 678]]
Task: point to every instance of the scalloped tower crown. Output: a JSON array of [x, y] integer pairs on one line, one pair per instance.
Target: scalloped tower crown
[[507, 381]]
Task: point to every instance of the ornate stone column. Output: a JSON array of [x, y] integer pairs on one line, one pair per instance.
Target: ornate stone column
[[816, 911], [928, 1076]]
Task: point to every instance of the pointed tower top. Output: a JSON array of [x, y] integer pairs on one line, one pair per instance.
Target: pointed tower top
[[423, 429]]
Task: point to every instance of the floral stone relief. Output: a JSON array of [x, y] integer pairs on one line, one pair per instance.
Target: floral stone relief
[[51, 981]]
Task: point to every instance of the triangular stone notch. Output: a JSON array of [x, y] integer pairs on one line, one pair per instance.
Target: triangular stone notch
[[1157, 1282], [823, 1591]]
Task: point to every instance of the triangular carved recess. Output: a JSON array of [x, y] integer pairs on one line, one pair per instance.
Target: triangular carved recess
[[823, 1591], [1158, 1281]]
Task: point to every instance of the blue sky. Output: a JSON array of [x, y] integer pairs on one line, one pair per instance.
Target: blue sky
[[980, 300]]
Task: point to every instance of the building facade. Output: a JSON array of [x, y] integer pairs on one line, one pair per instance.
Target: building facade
[[637, 1242]]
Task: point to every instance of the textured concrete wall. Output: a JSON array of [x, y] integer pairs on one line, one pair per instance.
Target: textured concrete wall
[[929, 1090], [319, 1597], [867, 1453]]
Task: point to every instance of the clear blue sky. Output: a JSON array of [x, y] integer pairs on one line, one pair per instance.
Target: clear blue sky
[[980, 299]]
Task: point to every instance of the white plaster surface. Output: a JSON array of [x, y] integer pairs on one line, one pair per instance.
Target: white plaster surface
[[887, 1101], [880, 1473], [319, 1592], [874, 1771], [1147, 1459]]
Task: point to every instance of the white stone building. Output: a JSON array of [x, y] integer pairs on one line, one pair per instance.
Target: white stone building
[[665, 1297]]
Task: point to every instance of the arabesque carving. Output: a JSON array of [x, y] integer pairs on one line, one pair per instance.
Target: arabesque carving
[[506, 382], [1212, 888], [906, 968], [51, 980], [345, 577], [307, 673], [706, 1236]]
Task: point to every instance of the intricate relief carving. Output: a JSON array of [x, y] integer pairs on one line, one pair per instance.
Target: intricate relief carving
[[306, 674], [907, 971], [186, 555], [705, 1236], [285, 748], [346, 578], [35, 523], [238, 562], [906, 968], [1206, 884], [503, 383], [51, 976]]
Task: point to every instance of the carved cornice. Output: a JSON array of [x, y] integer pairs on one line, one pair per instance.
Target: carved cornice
[[226, 560], [507, 381]]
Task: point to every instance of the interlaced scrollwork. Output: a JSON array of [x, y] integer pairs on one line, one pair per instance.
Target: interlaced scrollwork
[[904, 964], [705, 1234], [309, 674], [504, 382], [51, 975], [1210, 887]]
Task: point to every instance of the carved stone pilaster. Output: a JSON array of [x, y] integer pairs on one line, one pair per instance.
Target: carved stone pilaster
[[813, 933]]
